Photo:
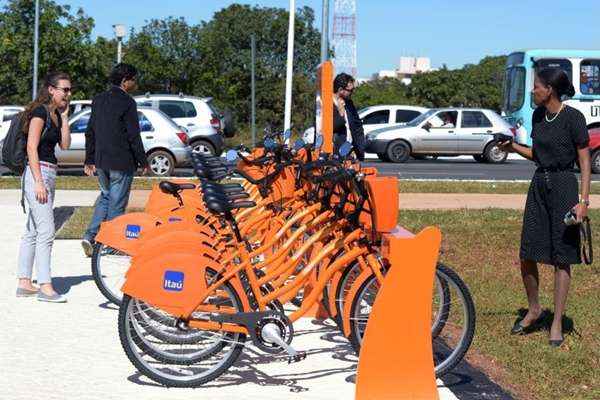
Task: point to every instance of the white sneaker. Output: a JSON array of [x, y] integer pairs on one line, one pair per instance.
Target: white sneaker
[[55, 298], [88, 248]]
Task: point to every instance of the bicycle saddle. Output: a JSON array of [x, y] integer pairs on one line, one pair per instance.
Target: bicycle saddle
[[173, 188]]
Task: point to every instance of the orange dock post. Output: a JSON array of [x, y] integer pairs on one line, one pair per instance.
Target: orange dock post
[[396, 356]]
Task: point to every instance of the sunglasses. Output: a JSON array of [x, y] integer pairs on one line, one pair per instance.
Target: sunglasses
[[349, 90], [65, 90]]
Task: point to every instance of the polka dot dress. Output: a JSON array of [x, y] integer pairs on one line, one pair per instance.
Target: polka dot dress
[[554, 188]]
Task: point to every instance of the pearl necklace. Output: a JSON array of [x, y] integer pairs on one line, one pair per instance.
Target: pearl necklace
[[556, 115]]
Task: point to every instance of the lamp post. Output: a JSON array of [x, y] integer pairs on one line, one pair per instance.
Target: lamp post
[[287, 121], [325, 32], [120, 34], [36, 33]]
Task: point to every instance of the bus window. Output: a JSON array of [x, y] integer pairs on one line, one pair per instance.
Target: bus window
[[561, 63], [589, 78], [514, 89]]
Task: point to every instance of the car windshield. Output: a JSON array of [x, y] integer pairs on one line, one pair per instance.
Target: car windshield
[[213, 107], [169, 120], [421, 118], [363, 110]]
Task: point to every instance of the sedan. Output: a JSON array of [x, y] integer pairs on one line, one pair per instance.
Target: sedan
[[443, 132], [164, 141]]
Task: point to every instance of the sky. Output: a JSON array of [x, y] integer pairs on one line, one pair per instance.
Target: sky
[[450, 32]]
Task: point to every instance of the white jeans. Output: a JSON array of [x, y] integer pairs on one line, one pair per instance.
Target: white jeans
[[39, 230]]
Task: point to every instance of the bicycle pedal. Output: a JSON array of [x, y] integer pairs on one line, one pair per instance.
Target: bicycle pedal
[[301, 355]]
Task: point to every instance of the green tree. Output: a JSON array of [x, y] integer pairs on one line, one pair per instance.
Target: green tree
[[65, 45], [225, 67], [167, 54], [477, 85], [381, 91]]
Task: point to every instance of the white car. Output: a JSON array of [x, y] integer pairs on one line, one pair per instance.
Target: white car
[[76, 106], [198, 116], [443, 132], [6, 115], [164, 141], [376, 117]]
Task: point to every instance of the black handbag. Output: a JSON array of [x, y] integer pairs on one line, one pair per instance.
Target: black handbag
[[587, 253]]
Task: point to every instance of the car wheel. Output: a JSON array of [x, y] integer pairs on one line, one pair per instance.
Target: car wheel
[[382, 157], [398, 151], [596, 162], [203, 147], [493, 154], [161, 163], [479, 158]]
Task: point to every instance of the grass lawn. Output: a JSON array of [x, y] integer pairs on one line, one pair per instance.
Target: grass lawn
[[406, 186], [482, 246]]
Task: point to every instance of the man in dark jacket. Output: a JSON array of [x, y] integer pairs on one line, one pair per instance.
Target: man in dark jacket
[[343, 86], [113, 148]]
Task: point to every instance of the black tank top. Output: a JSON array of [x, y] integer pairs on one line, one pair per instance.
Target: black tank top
[[50, 138]]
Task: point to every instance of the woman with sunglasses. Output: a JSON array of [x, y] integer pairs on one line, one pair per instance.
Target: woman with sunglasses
[[45, 122]]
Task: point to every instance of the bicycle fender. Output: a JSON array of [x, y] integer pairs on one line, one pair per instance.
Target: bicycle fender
[[172, 282], [126, 231]]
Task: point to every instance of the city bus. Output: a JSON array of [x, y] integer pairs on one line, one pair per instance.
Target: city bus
[[583, 69]]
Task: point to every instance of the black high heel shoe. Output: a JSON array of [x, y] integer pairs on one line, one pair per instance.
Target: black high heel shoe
[[519, 329], [556, 343]]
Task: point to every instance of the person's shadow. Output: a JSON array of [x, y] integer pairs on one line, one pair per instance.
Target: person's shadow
[[62, 284], [545, 321]]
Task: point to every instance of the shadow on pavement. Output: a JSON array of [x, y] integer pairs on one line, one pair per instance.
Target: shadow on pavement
[[245, 369], [107, 305], [62, 284]]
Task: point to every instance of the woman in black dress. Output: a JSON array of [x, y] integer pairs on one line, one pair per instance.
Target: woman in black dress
[[560, 138]]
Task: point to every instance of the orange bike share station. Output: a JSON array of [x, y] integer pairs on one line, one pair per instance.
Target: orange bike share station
[[396, 360]]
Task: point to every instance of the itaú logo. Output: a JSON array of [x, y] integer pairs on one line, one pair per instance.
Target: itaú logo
[[133, 231], [173, 281]]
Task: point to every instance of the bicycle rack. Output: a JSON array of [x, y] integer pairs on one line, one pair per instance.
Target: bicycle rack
[[396, 356]]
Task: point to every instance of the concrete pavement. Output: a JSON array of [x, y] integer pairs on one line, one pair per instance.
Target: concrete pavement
[[72, 350]]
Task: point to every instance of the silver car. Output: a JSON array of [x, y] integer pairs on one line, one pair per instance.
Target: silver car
[[164, 141], [443, 132]]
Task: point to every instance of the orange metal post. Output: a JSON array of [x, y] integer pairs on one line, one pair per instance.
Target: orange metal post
[[396, 357], [325, 105]]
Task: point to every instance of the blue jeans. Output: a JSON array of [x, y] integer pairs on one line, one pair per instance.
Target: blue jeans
[[114, 195]]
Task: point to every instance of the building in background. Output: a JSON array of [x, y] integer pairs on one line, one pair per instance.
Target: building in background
[[407, 68]]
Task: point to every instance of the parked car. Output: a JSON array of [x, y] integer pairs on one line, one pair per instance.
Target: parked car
[[164, 141], [443, 132], [76, 106], [595, 149], [377, 117], [198, 116], [6, 115]]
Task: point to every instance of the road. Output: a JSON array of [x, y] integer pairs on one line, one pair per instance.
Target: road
[[462, 168]]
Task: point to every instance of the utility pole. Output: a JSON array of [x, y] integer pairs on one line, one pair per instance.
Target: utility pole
[[36, 34], [253, 88], [120, 34], [325, 32], [287, 122]]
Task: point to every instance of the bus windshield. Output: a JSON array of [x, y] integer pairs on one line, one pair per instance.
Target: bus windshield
[[514, 89]]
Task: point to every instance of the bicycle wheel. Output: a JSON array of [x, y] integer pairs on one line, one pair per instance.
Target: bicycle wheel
[[178, 363], [108, 268], [457, 313]]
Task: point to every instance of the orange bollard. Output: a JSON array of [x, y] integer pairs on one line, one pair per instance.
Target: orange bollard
[[396, 356]]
